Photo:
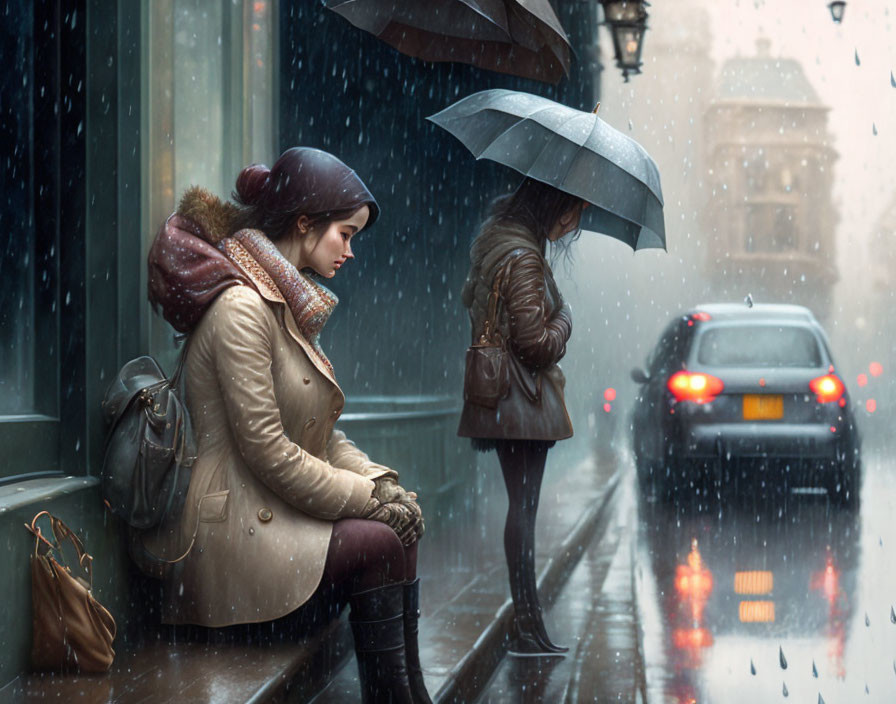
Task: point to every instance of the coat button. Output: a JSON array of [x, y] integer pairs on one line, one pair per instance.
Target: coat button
[[251, 531], [306, 380], [265, 514]]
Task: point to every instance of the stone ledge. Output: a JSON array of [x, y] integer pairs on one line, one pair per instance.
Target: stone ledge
[[17, 495]]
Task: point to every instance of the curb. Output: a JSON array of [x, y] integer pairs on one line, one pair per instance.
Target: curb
[[468, 678]]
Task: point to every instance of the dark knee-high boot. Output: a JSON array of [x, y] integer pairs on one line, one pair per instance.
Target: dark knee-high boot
[[412, 650], [377, 620]]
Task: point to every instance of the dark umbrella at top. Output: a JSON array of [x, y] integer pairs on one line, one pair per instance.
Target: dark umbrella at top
[[572, 150], [520, 37]]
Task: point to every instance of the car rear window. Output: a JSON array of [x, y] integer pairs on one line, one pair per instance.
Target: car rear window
[[759, 346]]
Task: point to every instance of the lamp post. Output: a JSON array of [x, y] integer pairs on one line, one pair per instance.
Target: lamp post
[[837, 7], [627, 20]]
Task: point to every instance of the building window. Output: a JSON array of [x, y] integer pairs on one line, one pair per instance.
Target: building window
[[209, 73], [29, 281], [770, 227]]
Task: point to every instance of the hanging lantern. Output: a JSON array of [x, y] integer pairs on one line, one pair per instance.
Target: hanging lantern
[[837, 7], [627, 20]]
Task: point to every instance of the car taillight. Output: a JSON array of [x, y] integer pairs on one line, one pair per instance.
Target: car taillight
[[827, 388], [694, 386]]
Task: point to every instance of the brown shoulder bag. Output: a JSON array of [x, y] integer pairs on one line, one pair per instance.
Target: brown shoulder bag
[[486, 377], [72, 630]]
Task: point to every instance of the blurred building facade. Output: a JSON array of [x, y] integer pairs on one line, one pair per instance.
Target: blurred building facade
[[769, 169]]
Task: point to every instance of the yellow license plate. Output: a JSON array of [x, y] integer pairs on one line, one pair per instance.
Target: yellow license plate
[[763, 407]]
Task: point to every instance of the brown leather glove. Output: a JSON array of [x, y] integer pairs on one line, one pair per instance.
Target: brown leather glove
[[405, 518], [387, 489]]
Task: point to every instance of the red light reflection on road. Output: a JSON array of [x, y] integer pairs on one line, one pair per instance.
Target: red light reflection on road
[[827, 582], [862, 379], [693, 585], [875, 368]]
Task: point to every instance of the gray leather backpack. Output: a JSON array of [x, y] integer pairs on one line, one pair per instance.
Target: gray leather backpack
[[149, 446]]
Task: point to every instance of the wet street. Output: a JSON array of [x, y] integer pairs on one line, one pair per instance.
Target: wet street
[[791, 599]]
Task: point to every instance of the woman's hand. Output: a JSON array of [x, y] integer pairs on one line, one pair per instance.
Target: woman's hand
[[387, 490], [403, 517]]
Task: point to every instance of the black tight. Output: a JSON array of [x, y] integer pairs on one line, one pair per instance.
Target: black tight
[[367, 554], [522, 464]]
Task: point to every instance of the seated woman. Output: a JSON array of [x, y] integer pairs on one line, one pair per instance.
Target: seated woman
[[281, 506]]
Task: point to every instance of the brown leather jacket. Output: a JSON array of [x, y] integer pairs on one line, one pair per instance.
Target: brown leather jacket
[[536, 325]]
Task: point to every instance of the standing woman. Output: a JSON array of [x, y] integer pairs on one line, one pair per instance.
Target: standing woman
[[511, 282], [281, 506]]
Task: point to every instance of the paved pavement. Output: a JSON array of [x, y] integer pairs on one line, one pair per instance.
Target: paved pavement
[[595, 615], [465, 597]]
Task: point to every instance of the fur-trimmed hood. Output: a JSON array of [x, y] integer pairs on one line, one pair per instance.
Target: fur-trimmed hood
[[217, 218], [187, 271]]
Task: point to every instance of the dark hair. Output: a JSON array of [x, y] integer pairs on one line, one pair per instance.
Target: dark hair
[[538, 207], [303, 181]]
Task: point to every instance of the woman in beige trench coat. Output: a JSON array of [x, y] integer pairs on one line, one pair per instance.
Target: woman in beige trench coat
[[281, 506]]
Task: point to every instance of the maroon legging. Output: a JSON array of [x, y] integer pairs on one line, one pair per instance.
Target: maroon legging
[[366, 554]]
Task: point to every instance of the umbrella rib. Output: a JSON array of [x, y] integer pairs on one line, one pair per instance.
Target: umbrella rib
[[519, 121], [572, 161]]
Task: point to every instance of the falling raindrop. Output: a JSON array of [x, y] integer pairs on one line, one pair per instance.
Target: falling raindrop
[[874, 129], [867, 620], [781, 658], [858, 63], [820, 700], [753, 667], [814, 670], [892, 80], [866, 689], [784, 690], [892, 615]]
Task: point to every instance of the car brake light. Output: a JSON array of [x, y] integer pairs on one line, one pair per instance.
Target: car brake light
[[701, 316], [693, 386], [827, 388]]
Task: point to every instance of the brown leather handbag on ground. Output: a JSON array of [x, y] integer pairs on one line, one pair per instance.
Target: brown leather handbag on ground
[[72, 630]]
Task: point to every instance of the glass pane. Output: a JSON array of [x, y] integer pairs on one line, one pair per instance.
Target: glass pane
[[759, 346], [17, 256]]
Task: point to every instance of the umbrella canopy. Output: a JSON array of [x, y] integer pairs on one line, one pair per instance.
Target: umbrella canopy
[[572, 150], [520, 37]]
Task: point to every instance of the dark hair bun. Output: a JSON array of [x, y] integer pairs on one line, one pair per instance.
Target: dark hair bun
[[252, 183]]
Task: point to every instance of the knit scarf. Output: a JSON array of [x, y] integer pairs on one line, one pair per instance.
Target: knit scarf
[[309, 302]]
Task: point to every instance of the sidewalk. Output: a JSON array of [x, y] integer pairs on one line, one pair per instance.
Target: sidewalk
[[594, 615], [465, 602]]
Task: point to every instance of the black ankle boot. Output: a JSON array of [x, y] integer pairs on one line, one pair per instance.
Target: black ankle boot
[[530, 625], [411, 617], [378, 627]]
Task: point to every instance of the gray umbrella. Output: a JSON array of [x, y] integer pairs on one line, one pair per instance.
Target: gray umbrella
[[569, 149]]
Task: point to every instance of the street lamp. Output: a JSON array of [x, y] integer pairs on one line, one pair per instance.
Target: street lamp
[[837, 7], [627, 20]]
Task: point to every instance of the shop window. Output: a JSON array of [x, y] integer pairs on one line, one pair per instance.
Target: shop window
[[211, 108], [29, 257]]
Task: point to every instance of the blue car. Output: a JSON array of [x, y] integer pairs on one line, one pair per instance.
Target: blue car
[[743, 397]]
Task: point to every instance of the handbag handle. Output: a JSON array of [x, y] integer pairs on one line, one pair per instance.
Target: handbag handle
[[491, 322], [62, 532]]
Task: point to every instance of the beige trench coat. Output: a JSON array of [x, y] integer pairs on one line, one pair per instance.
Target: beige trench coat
[[271, 475]]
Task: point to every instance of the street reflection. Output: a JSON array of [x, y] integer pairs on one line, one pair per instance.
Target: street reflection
[[743, 580]]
